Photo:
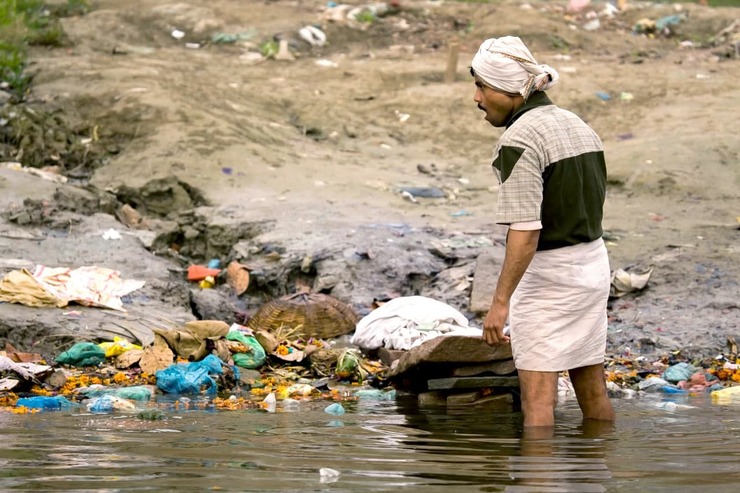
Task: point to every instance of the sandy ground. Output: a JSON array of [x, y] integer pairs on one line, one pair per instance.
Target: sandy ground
[[324, 143]]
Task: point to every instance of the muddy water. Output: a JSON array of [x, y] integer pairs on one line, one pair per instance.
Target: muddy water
[[375, 446]]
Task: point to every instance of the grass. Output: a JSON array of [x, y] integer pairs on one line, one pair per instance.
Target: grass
[[25, 23]]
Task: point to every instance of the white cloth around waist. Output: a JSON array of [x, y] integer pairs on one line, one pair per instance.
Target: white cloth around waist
[[558, 311]]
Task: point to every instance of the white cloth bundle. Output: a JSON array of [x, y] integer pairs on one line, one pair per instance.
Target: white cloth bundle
[[406, 322]]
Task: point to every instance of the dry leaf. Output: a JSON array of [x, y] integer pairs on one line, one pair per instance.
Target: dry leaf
[[268, 341], [156, 357], [295, 356], [128, 358], [129, 216], [19, 357], [237, 276]]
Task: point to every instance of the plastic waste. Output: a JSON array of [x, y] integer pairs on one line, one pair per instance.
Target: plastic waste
[[312, 35], [255, 357], [328, 475], [652, 384], [190, 378], [46, 403], [270, 403], [336, 409], [301, 389], [117, 347], [673, 406], [291, 404], [728, 394], [376, 394], [670, 389], [110, 403], [135, 393], [82, 354], [679, 372]]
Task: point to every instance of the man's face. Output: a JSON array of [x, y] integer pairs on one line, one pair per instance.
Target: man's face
[[499, 106]]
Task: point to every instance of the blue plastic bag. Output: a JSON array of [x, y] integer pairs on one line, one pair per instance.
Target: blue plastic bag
[[190, 378], [679, 372], [46, 403]]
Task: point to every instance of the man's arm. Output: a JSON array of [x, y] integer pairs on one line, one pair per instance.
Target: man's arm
[[520, 249]]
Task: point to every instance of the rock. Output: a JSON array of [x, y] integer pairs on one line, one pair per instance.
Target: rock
[[57, 379], [472, 382], [388, 356], [485, 278], [212, 304], [432, 399], [451, 349], [247, 376], [496, 403], [505, 367], [464, 398]]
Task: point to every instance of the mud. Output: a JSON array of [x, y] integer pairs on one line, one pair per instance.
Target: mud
[[296, 168]]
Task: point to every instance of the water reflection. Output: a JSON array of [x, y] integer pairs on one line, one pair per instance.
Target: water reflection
[[377, 446], [494, 453]]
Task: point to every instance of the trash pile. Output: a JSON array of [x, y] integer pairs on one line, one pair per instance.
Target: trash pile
[[205, 364], [291, 350], [719, 377]]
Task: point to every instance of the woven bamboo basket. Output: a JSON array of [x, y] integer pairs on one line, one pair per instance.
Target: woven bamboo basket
[[317, 315]]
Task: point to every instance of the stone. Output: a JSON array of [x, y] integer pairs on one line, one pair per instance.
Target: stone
[[505, 367], [496, 403], [247, 376], [472, 383], [432, 399], [212, 304], [57, 379], [450, 349], [464, 398], [388, 356], [487, 267]]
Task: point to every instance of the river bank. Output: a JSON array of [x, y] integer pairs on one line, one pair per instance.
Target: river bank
[[296, 168]]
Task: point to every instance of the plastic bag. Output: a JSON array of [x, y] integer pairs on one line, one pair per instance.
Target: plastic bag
[[117, 347], [679, 372], [82, 354], [189, 378], [255, 357], [46, 403], [135, 393], [110, 403]]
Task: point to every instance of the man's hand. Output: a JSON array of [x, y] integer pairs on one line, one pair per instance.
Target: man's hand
[[520, 249], [493, 324]]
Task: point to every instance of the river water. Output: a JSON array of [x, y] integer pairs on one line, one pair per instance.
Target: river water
[[376, 446]]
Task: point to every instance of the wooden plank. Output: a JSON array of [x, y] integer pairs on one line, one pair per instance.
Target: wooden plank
[[472, 382]]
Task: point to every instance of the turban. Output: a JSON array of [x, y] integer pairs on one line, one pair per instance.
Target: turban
[[507, 65]]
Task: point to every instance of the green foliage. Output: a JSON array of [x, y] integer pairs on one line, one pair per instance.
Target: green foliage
[[269, 48], [365, 16], [25, 23], [12, 63]]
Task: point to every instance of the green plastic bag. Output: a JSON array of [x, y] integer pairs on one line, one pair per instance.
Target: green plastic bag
[[82, 354], [135, 393], [254, 358]]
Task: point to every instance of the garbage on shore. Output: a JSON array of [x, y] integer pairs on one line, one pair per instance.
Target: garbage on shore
[[296, 352]]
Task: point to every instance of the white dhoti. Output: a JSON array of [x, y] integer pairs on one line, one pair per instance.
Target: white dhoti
[[558, 311]]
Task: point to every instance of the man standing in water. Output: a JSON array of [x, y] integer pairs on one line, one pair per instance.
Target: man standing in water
[[554, 283]]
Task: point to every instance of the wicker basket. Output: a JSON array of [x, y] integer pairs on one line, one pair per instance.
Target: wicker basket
[[318, 315]]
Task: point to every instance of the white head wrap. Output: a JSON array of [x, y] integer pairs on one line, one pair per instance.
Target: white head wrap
[[506, 64]]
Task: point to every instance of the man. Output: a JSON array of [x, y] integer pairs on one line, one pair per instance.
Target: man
[[554, 282]]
